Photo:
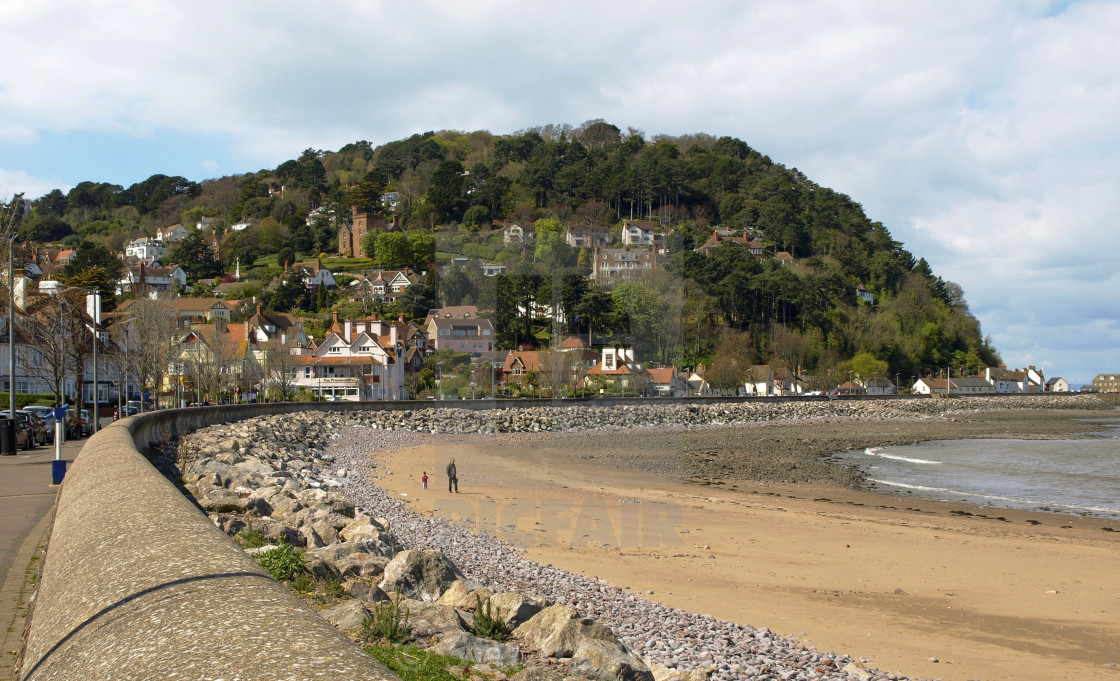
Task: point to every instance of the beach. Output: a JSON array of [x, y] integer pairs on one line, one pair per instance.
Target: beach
[[755, 524]]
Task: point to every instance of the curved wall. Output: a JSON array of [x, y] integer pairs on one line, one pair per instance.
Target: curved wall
[[137, 583]]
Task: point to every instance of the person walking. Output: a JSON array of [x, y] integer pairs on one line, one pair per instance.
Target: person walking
[[424, 479], [452, 477]]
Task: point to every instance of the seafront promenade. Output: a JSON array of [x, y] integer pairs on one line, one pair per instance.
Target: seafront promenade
[[26, 501]]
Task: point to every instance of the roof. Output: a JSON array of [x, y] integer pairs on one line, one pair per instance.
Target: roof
[[180, 305], [622, 369], [455, 312], [573, 342], [971, 382], [664, 375], [530, 360], [479, 323]]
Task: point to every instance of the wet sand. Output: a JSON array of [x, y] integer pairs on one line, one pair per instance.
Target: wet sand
[[753, 524]]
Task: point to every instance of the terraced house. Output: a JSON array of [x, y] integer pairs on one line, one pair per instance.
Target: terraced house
[[357, 360]]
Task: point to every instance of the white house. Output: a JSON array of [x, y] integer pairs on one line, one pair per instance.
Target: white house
[[152, 280], [358, 360], [172, 234], [491, 269], [243, 225], [146, 247], [1057, 384], [865, 295], [634, 234], [515, 234], [583, 236], [877, 385], [929, 386], [317, 276], [667, 382]]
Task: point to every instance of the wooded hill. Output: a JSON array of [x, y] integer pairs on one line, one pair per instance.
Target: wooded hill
[[729, 309]]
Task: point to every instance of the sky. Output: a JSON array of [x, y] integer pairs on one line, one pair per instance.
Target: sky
[[984, 135]]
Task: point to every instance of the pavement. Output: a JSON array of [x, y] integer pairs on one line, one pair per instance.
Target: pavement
[[26, 509]]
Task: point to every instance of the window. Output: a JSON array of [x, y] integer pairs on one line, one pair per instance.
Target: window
[[335, 350]]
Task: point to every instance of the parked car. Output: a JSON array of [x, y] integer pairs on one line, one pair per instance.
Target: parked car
[[46, 415], [86, 427], [30, 430]]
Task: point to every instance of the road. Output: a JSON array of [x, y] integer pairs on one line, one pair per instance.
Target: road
[[26, 508]]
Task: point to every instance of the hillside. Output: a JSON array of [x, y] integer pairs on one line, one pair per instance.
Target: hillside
[[732, 306]]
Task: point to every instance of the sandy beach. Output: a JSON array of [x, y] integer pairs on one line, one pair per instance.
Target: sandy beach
[[754, 524]]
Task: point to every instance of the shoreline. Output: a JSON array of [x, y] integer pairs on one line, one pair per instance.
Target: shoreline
[[897, 578]]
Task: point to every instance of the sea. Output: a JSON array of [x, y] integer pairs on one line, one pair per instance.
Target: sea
[[1079, 477]]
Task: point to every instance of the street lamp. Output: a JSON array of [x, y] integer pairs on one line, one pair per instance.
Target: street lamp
[[439, 379]]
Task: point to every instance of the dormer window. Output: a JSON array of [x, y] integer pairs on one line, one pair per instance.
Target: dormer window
[[335, 350]]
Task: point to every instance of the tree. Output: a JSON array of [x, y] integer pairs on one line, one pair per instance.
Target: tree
[[444, 194], [476, 217], [45, 351], [422, 249], [415, 301], [289, 292], [196, 258], [366, 197], [279, 368], [392, 250], [731, 361], [150, 338], [643, 308]]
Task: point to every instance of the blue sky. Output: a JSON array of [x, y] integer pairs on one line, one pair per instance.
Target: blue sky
[[986, 136]]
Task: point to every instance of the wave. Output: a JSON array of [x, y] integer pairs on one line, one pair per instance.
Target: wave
[[1014, 500], [876, 451]]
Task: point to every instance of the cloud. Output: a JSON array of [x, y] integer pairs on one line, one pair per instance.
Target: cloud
[[984, 135], [20, 182]]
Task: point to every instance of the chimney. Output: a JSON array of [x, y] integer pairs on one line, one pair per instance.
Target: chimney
[[259, 308], [393, 335], [334, 319], [347, 329]]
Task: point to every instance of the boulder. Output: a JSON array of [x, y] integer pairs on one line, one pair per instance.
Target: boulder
[[512, 608], [599, 659], [348, 615], [455, 594], [663, 673], [463, 595], [558, 630], [539, 674], [470, 647], [218, 500], [424, 575], [327, 533], [361, 528], [429, 619], [367, 593]]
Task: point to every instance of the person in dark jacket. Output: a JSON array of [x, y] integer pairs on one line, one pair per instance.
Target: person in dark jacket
[[452, 477]]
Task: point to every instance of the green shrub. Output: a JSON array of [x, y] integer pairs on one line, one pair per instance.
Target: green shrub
[[388, 622], [302, 583], [485, 625], [250, 538], [333, 589], [413, 663], [282, 562]]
